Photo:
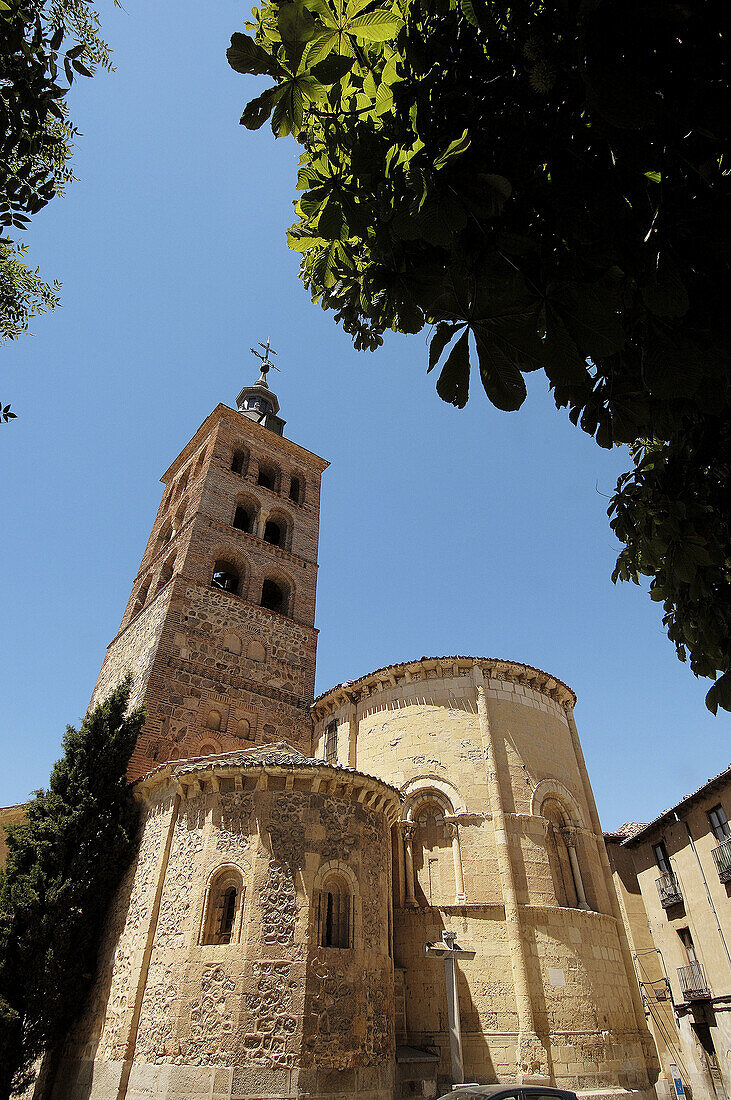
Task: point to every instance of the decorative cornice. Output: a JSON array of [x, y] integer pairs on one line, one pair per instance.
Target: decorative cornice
[[221, 411], [438, 668]]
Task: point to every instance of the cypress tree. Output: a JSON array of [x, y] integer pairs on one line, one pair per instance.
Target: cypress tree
[[63, 865]]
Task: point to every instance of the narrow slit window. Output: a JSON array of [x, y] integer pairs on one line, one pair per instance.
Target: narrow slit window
[[228, 912], [335, 914], [331, 742], [222, 922]]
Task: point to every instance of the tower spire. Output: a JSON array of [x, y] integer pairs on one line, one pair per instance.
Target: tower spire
[[258, 402]]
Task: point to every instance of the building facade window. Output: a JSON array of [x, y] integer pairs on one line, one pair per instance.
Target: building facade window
[[662, 859], [142, 596], [166, 573], [225, 577], [213, 721], [295, 490], [273, 533], [331, 742], [273, 597], [268, 477], [335, 914], [242, 519], [238, 462], [719, 823], [223, 907]]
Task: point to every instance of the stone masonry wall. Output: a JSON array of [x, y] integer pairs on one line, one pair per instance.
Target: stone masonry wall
[[272, 1012], [420, 725]]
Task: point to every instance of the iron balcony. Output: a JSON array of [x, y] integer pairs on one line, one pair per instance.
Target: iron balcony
[[693, 982], [722, 859], [668, 888]]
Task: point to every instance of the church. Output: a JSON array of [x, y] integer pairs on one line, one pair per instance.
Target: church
[[376, 893]]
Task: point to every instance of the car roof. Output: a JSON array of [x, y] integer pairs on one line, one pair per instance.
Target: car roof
[[507, 1089]]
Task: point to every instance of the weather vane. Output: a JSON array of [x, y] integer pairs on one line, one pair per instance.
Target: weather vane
[[265, 364]]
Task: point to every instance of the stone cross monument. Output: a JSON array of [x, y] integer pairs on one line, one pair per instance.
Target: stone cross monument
[[450, 952]]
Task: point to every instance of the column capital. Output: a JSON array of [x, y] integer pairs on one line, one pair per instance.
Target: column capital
[[568, 832]]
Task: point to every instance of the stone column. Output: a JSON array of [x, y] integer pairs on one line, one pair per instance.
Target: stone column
[[352, 736], [531, 1055], [259, 522], [408, 828], [400, 881], [453, 832], [569, 836]]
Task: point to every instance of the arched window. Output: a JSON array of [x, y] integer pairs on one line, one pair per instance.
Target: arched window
[[243, 728], [273, 597], [182, 481], [295, 490], [273, 533], [434, 876], [213, 721], [255, 651], [225, 577], [166, 573], [207, 749], [238, 461], [199, 463], [179, 517], [242, 519], [142, 595], [268, 476], [232, 643], [335, 915], [221, 920], [166, 532], [562, 858]]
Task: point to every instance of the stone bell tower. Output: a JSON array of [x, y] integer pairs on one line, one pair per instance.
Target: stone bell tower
[[219, 630]]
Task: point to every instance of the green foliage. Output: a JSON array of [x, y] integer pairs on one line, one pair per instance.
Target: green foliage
[[672, 512], [551, 179], [63, 864], [44, 44]]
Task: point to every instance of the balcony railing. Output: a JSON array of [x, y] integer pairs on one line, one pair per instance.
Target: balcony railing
[[693, 982], [722, 859], [668, 888]]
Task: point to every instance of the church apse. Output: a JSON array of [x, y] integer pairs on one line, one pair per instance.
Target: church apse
[[498, 842]]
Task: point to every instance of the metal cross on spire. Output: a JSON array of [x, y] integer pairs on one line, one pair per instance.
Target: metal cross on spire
[[265, 363]]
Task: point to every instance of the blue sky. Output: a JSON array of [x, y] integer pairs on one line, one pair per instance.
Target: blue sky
[[473, 532]]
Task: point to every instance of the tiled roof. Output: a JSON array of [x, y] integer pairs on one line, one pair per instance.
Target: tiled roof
[[624, 832], [279, 754], [709, 783]]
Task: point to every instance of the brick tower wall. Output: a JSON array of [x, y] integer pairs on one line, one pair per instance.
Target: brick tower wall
[[214, 668]]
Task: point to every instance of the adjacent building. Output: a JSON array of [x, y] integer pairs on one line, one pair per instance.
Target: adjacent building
[[673, 878]]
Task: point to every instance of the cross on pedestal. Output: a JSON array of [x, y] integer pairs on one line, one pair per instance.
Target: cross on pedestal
[[450, 952]]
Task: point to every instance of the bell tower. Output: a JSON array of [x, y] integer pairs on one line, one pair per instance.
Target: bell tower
[[219, 632]]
